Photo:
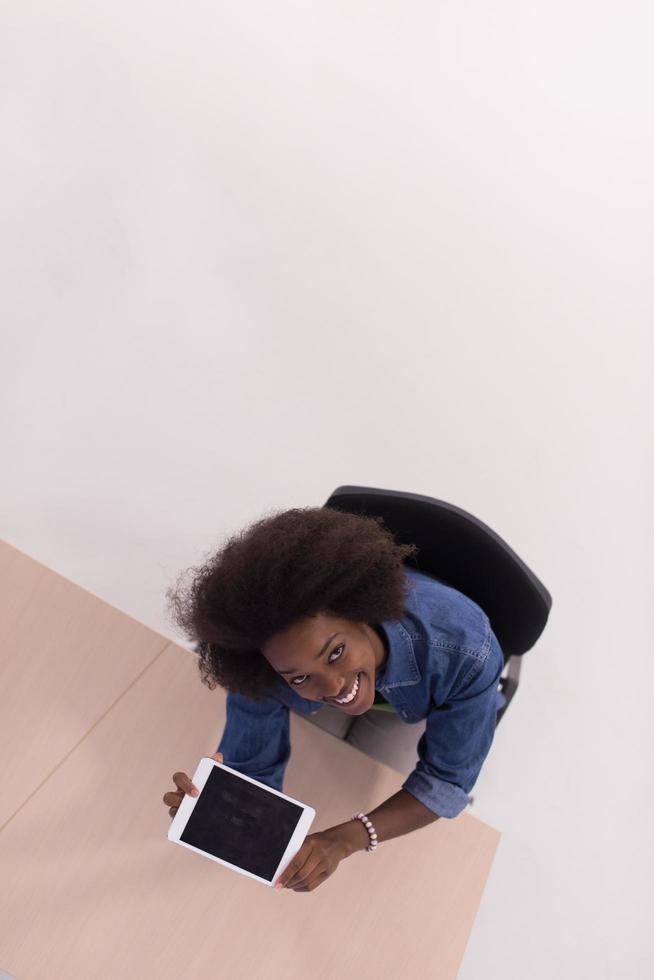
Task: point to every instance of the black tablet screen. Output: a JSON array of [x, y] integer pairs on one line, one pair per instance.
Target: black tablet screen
[[240, 822]]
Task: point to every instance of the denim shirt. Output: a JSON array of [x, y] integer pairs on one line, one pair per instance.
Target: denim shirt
[[444, 664]]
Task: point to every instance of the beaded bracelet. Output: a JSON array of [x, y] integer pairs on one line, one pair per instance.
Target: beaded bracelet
[[363, 817]]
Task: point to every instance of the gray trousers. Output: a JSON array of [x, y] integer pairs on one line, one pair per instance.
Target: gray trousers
[[380, 734]]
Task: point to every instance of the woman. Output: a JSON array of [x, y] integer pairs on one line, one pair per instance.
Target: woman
[[312, 607]]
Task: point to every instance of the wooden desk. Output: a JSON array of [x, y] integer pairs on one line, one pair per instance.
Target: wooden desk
[[96, 712]]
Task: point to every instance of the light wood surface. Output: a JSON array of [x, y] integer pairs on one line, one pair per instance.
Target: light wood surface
[[92, 888], [65, 657]]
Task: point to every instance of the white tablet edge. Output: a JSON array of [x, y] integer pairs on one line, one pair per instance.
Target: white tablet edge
[[187, 806]]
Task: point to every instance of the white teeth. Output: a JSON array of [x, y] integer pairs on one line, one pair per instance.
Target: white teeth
[[353, 693]]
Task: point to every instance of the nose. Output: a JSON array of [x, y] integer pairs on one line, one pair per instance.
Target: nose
[[333, 689]]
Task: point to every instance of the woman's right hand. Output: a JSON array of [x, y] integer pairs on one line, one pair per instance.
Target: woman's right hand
[[184, 785]]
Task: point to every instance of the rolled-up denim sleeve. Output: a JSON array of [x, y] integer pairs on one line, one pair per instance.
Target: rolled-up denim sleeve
[[256, 738], [458, 737]]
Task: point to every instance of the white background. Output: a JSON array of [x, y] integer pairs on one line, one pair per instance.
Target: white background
[[251, 252]]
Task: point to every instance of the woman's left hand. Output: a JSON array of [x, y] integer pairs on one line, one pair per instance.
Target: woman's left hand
[[316, 860]]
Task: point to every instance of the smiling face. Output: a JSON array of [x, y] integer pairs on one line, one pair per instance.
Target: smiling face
[[324, 658]]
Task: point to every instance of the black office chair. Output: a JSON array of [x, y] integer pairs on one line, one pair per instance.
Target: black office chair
[[466, 554]]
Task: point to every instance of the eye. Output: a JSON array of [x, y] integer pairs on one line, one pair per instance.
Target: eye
[[330, 659]]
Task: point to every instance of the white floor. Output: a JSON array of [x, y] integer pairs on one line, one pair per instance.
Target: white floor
[[254, 253]]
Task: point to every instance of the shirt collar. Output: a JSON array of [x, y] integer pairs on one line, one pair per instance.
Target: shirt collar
[[401, 667]]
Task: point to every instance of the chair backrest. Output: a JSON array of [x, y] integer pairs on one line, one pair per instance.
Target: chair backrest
[[461, 551]]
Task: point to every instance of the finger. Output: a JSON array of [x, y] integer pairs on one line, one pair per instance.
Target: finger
[[307, 871], [173, 810], [218, 756], [313, 884], [173, 799], [310, 881], [183, 782], [295, 864]]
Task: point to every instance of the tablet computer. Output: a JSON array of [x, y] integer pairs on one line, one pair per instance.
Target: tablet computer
[[240, 822]]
